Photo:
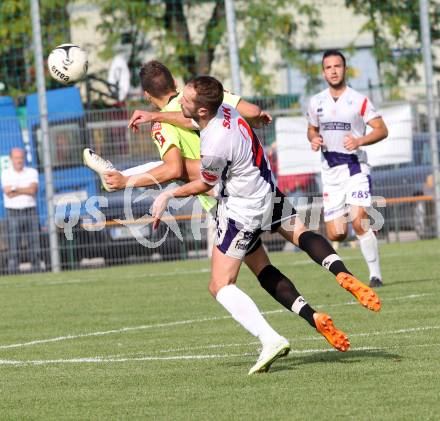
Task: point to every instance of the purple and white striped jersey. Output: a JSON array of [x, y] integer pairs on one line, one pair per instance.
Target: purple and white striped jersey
[[336, 119]]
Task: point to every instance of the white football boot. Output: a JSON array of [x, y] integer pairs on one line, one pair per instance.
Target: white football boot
[[270, 353], [99, 165]]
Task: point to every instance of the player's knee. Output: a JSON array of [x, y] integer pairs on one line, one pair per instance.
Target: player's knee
[[301, 229], [212, 289], [360, 225], [216, 284], [334, 236]]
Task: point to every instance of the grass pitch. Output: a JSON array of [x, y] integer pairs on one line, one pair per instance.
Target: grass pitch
[[148, 342]]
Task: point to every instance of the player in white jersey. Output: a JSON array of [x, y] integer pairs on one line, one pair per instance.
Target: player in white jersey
[[227, 153], [338, 117], [233, 160]]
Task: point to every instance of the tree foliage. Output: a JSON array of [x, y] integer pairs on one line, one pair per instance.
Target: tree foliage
[[395, 26], [17, 71], [188, 35]]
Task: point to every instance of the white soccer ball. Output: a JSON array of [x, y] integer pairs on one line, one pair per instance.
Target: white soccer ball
[[67, 63]]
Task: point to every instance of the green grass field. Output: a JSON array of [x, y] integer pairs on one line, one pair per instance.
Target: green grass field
[[148, 342]]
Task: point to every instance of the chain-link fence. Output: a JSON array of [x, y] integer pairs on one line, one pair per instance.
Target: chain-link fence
[[280, 45]]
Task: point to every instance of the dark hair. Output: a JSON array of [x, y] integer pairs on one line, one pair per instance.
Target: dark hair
[[209, 92], [156, 79], [330, 53]]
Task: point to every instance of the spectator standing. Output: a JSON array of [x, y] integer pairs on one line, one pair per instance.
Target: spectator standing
[[20, 186]]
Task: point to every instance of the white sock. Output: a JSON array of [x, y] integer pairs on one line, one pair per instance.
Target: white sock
[[244, 311], [370, 250], [140, 169]]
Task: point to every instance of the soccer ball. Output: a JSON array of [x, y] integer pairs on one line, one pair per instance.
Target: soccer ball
[[67, 63]]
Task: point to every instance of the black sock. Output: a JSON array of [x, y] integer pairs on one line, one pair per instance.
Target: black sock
[[283, 290], [321, 251]]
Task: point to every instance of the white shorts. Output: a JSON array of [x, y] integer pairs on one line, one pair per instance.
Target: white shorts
[[233, 239], [337, 198], [237, 239]]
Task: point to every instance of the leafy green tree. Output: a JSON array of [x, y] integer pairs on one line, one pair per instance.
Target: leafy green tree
[[188, 35], [17, 71], [395, 27]]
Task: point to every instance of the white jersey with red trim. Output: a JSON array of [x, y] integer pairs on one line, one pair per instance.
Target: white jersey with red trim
[[233, 158], [336, 119]]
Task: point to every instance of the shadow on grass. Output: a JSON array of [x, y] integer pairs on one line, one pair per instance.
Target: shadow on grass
[[411, 281], [350, 357]]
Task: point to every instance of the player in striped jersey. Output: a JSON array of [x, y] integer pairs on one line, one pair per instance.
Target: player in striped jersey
[[338, 117], [233, 161]]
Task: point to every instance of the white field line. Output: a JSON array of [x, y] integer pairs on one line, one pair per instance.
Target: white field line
[[117, 360], [316, 337], [161, 325], [106, 360], [354, 302], [182, 272], [109, 332]]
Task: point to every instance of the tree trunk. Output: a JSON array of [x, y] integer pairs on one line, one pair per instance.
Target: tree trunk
[[213, 34], [175, 21]]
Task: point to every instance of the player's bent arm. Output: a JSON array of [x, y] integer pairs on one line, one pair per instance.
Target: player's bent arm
[[247, 110], [191, 169], [191, 189], [379, 132], [253, 114], [250, 112], [140, 117], [312, 132], [171, 169], [314, 137], [161, 202], [175, 118]]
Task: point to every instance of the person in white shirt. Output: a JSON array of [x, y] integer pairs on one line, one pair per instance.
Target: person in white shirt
[[337, 118], [20, 186]]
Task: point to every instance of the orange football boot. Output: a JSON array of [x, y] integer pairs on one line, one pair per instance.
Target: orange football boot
[[335, 337], [363, 293]]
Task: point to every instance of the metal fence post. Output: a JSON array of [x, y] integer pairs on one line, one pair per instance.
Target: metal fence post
[[427, 59], [41, 87]]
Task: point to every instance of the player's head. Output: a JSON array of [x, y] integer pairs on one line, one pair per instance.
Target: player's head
[[334, 68], [156, 79], [17, 156], [202, 97]]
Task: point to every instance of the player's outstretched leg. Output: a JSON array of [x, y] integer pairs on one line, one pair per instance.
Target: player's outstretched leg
[[282, 289], [99, 165], [320, 250]]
